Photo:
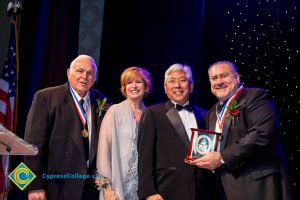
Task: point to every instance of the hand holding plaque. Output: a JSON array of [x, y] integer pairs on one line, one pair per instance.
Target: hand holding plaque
[[202, 142]]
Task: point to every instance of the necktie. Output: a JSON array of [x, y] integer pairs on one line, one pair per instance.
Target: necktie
[[187, 107], [81, 104], [85, 139], [219, 108]]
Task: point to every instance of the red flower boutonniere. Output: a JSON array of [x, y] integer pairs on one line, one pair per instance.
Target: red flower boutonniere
[[233, 111], [102, 106]]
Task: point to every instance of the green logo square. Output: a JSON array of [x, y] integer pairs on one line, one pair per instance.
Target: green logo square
[[22, 176]]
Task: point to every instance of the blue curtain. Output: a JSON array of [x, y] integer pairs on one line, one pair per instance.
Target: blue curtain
[[48, 43]]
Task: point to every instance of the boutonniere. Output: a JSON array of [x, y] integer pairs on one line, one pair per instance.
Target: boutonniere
[[102, 183], [233, 111], [102, 106]]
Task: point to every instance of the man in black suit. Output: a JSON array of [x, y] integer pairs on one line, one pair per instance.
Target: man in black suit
[[250, 161], [164, 135], [64, 124]]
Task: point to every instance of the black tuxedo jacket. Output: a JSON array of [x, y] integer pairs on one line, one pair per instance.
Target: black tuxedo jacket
[[54, 126], [255, 165], [162, 146]]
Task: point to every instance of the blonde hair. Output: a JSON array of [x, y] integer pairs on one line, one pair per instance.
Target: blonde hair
[[132, 72]]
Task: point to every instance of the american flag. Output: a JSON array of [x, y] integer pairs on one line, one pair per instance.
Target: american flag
[[8, 87], [8, 83]]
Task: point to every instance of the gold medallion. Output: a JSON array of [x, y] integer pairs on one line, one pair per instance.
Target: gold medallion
[[84, 133]]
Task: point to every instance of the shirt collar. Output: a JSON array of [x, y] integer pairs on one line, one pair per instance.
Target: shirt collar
[[86, 97], [186, 103]]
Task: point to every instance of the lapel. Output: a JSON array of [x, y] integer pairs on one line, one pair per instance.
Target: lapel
[[197, 116], [227, 124], [212, 119], [76, 126], [225, 131], [95, 123], [175, 120]]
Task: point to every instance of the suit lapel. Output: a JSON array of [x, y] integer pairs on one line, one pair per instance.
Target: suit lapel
[[198, 117], [76, 125], [212, 119], [95, 123], [227, 124], [225, 129], [175, 120]]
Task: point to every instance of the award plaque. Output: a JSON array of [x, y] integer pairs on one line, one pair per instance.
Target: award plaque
[[202, 142]]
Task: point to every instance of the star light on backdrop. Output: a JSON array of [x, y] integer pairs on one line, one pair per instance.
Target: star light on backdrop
[[262, 41]]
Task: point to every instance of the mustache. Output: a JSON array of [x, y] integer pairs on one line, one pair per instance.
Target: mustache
[[220, 86]]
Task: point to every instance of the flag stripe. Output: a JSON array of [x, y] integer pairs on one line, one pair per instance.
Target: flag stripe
[[8, 85]]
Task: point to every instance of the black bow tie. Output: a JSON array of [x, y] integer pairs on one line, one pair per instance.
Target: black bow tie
[[188, 107]]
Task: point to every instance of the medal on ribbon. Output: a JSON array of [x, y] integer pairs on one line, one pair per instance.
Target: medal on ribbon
[[84, 133], [82, 115], [221, 117]]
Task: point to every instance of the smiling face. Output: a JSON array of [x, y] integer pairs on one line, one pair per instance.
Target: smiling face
[[224, 81], [81, 75], [135, 83], [177, 87], [135, 88]]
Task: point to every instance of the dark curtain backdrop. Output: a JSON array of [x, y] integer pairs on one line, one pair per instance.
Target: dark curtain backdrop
[[48, 43], [155, 34], [262, 37], [151, 34]]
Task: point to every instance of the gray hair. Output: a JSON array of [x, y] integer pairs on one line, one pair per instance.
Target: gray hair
[[180, 67], [73, 63]]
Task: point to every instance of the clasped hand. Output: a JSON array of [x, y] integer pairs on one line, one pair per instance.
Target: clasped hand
[[210, 161], [109, 194]]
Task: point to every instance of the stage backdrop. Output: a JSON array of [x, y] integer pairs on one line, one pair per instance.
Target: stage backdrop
[[260, 36]]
